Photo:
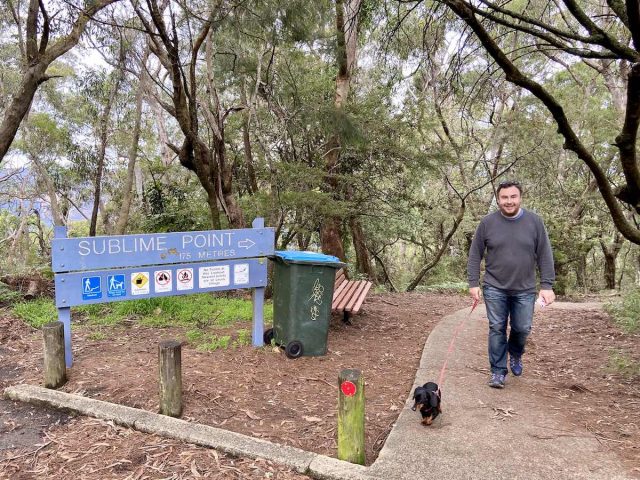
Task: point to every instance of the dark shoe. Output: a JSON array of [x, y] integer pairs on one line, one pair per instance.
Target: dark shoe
[[515, 364], [497, 380]]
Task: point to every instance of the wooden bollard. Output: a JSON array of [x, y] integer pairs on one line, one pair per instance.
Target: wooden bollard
[[170, 360], [351, 417], [55, 370]]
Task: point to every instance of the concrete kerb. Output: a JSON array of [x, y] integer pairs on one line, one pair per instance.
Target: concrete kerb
[[237, 444]]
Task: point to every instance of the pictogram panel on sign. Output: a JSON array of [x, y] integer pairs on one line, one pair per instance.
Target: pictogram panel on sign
[[116, 286], [139, 283], [241, 274], [91, 288], [184, 279], [162, 281]]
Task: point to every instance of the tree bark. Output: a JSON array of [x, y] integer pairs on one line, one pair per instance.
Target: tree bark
[[44, 250], [102, 149], [127, 198], [626, 141], [38, 59], [246, 141], [363, 260], [610, 252], [347, 34]]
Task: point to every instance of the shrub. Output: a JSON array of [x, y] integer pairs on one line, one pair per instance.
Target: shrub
[[8, 296], [626, 312]]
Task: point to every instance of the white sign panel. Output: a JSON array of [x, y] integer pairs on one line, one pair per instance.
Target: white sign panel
[[162, 281], [218, 276], [241, 273], [184, 279], [140, 283]]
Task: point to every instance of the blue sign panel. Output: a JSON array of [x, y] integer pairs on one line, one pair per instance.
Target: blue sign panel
[[90, 288], [95, 253], [116, 286], [156, 281]]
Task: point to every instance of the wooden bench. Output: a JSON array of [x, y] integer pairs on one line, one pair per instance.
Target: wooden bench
[[348, 295]]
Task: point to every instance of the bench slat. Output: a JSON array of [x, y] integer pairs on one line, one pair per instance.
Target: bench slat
[[345, 287], [354, 297], [356, 307], [338, 291], [346, 295], [346, 298]]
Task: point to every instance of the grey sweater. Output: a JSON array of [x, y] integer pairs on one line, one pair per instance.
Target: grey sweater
[[513, 248]]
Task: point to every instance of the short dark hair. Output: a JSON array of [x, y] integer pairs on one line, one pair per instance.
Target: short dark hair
[[507, 184]]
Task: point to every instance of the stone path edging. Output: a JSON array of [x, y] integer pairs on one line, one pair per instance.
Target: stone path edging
[[237, 444]]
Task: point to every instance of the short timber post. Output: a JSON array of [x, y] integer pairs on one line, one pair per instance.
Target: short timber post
[[55, 370], [351, 417], [170, 360]]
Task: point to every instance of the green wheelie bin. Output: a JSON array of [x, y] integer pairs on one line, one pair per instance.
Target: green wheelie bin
[[302, 295]]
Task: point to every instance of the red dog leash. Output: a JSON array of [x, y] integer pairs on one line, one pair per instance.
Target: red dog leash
[[453, 341]]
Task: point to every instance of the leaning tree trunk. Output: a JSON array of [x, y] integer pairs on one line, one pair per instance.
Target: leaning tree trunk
[[39, 55], [443, 247]]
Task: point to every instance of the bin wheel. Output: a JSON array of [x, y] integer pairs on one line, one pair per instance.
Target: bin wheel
[[293, 349], [268, 336]]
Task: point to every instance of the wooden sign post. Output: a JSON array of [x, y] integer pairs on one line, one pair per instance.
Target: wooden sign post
[[351, 417]]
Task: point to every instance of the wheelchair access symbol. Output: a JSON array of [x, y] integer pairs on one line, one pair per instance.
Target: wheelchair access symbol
[[91, 288], [116, 286]]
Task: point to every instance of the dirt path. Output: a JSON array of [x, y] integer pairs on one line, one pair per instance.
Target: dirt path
[[261, 393]]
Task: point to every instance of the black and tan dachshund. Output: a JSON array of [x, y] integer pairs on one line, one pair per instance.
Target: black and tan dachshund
[[427, 399]]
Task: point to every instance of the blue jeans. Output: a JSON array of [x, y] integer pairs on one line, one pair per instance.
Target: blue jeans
[[517, 308]]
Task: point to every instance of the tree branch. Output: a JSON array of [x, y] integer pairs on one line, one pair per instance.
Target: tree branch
[[572, 142]]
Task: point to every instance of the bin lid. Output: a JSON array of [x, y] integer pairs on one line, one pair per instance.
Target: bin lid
[[313, 258]]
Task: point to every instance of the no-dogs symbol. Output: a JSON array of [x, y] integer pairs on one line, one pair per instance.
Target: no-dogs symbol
[[162, 281], [185, 279], [140, 283]]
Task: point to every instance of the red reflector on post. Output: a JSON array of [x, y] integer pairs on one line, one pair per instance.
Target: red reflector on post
[[348, 388]]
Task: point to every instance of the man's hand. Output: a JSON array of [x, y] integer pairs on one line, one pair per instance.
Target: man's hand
[[547, 296], [475, 293]]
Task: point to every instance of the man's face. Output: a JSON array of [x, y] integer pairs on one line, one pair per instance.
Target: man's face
[[509, 201]]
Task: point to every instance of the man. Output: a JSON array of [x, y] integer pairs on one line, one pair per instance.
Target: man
[[512, 241]]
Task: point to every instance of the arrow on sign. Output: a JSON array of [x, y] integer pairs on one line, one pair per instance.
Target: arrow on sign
[[247, 243]]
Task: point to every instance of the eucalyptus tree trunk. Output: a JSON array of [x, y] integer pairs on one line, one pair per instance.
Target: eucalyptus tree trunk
[[39, 55], [44, 250], [347, 35], [17, 248], [128, 194], [363, 259], [50, 189], [246, 140], [102, 149], [202, 152]]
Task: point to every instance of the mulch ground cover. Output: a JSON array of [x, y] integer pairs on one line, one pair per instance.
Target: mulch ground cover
[[259, 392]]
